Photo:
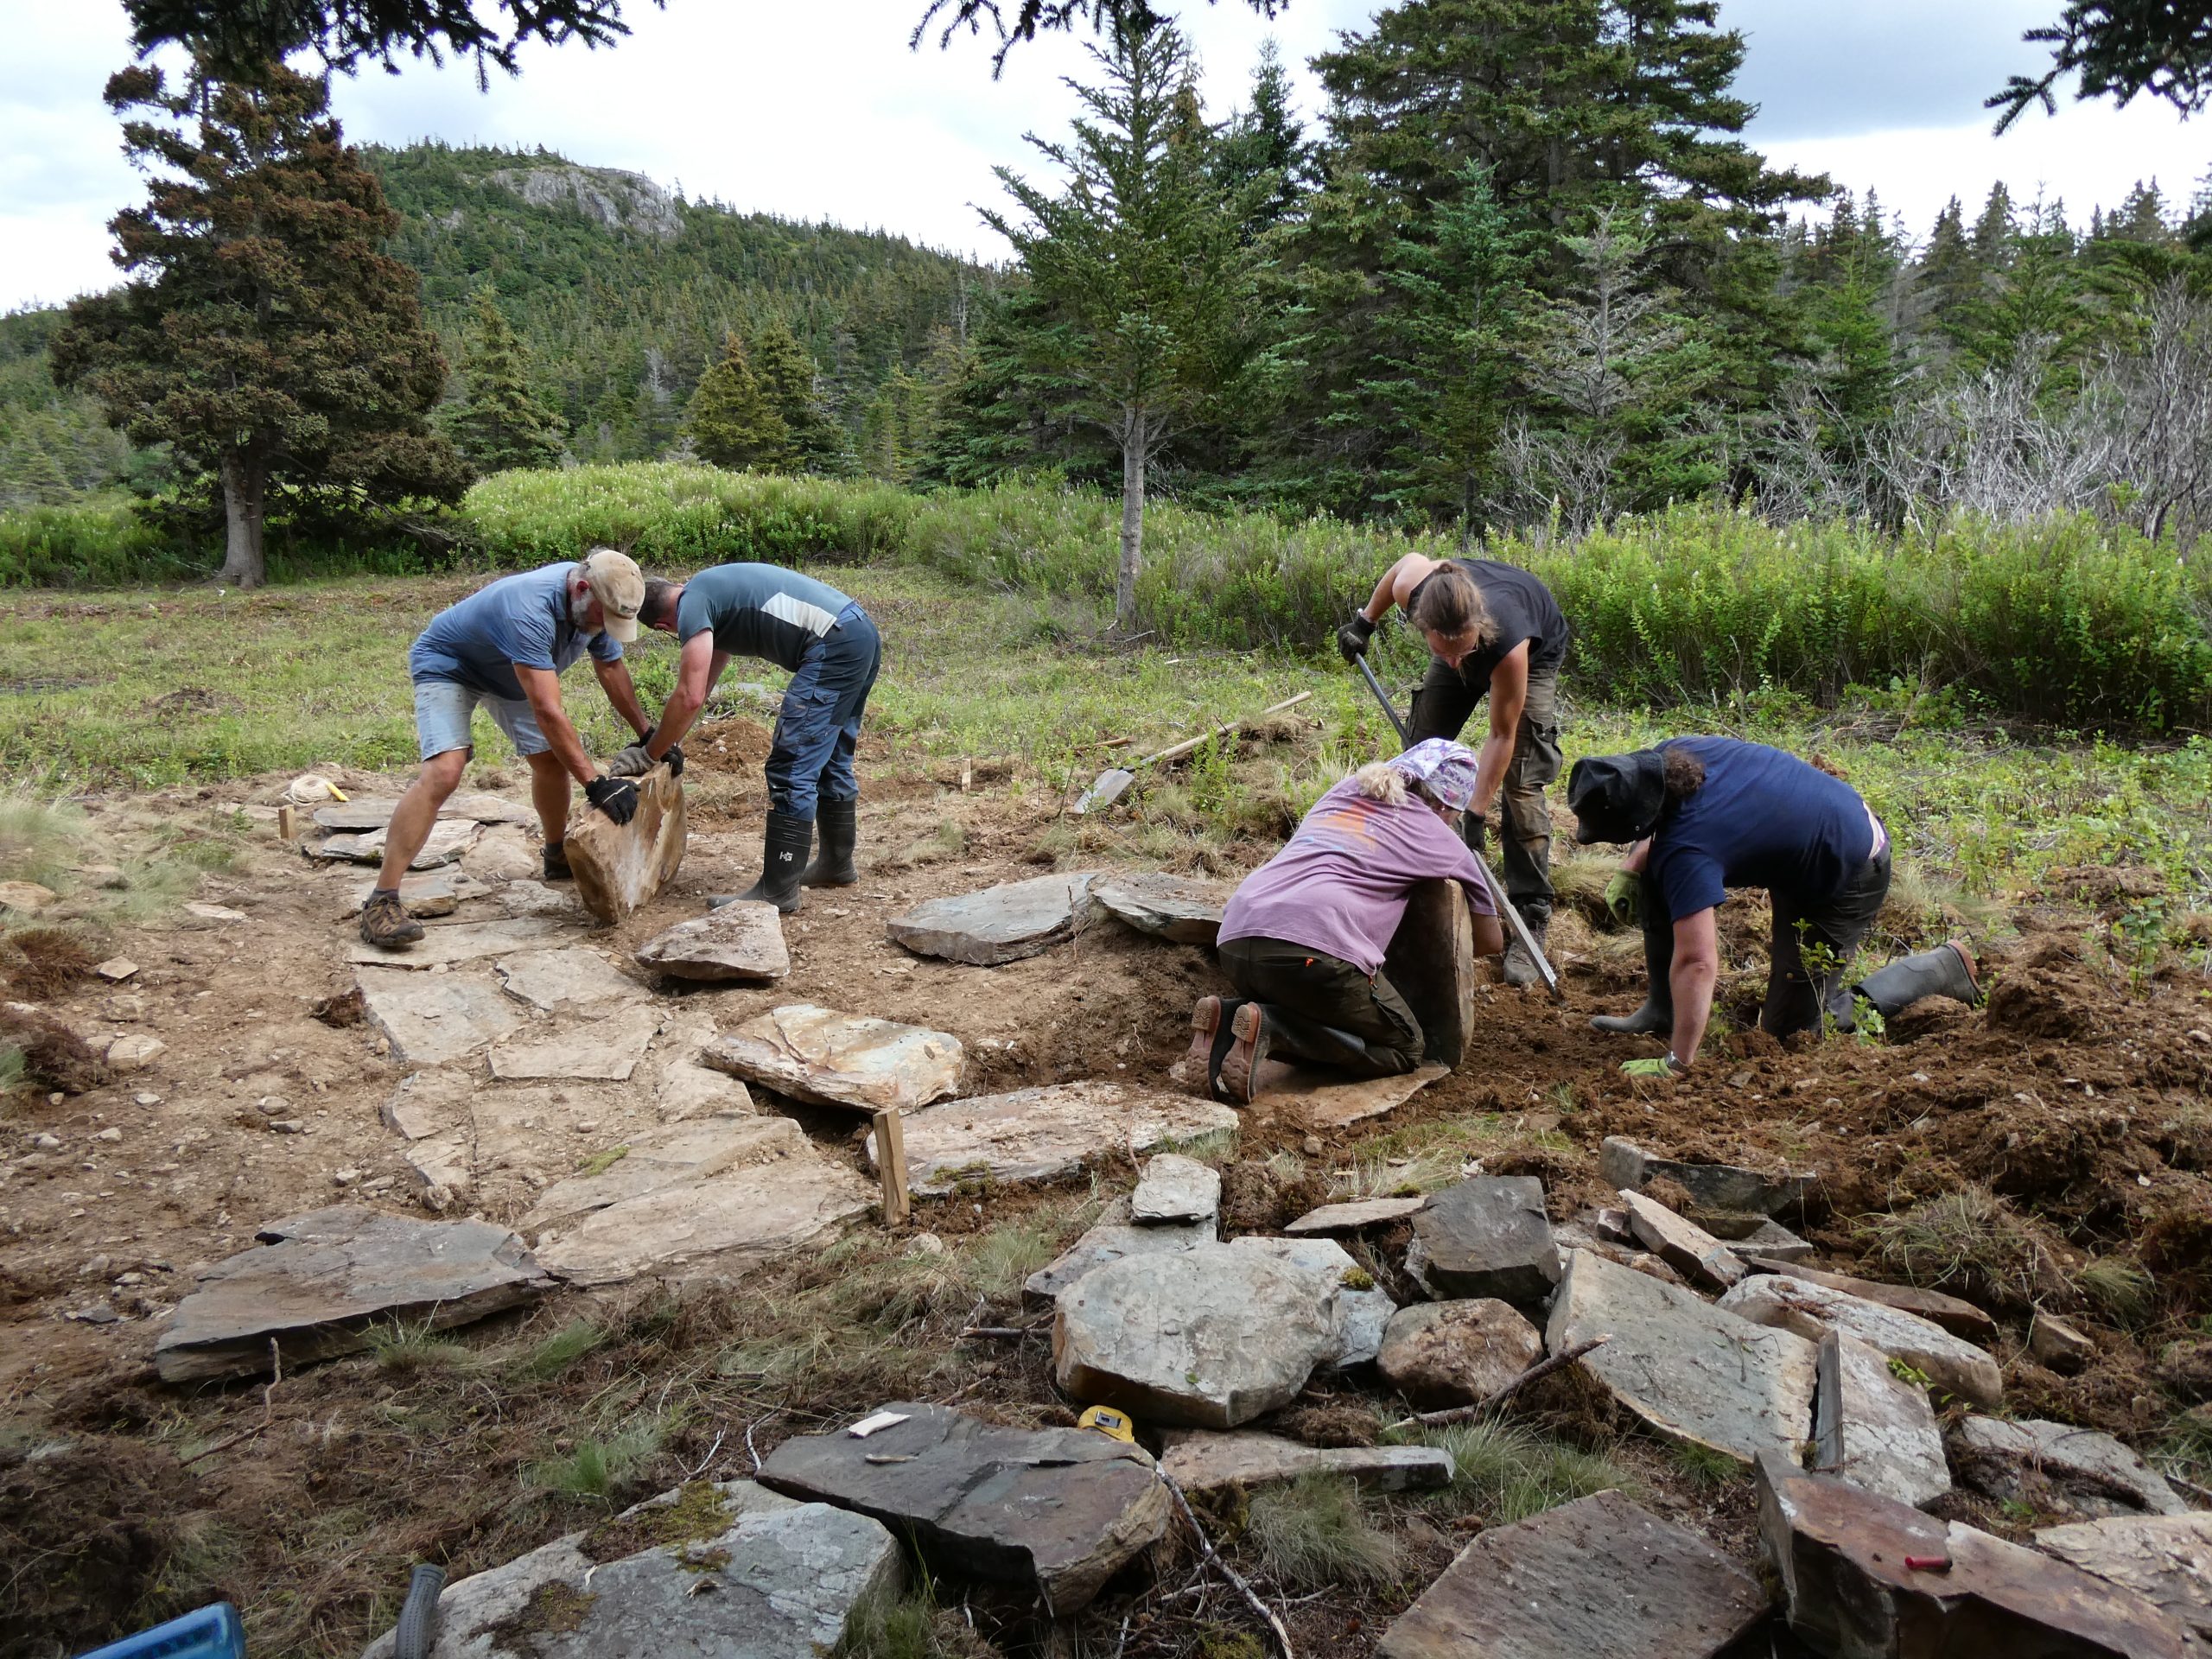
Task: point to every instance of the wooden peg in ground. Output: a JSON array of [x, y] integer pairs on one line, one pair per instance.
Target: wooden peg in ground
[[891, 1167]]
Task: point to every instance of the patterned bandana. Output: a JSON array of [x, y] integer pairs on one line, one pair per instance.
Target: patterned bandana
[[1445, 768]]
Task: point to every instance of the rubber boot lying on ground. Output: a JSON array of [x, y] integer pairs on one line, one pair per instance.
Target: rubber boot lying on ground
[[783, 857], [839, 822], [1520, 966], [385, 923], [1948, 970]]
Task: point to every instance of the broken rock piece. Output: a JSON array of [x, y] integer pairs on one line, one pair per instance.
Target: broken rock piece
[[828, 1058], [574, 978], [1201, 1462], [474, 806], [1812, 1310], [1960, 1319], [316, 1283], [1176, 1188], [1596, 1577], [1871, 1428], [1711, 1186], [1039, 1134], [1683, 1245], [2166, 1558], [1000, 924], [1058, 1510], [1112, 1236], [1355, 1217], [606, 1050], [1485, 1236], [450, 838], [1313, 1098], [741, 941], [1440, 1354], [620, 867], [2059, 1467], [1177, 908]]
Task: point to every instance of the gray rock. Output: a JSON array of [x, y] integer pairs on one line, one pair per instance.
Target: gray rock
[[1772, 1241], [441, 1171], [449, 839], [2058, 1345], [1842, 1554], [1177, 908], [1200, 1462], [671, 1157], [1432, 962], [1875, 1429], [1058, 1510], [1109, 1239], [574, 978], [1713, 1186], [607, 1050], [1595, 1577], [1683, 1245], [462, 941], [740, 941], [827, 1059], [1000, 924], [434, 1020], [473, 806], [524, 896], [2059, 1467], [1486, 1236], [428, 1102], [1208, 1338], [1691, 1371], [620, 867], [749, 1575], [1811, 1311], [1960, 1319], [1315, 1099], [1176, 1188], [439, 893], [1355, 1217], [1041, 1135], [316, 1283], [606, 195], [1439, 1354], [2165, 1559], [1362, 1310], [134, 1051]]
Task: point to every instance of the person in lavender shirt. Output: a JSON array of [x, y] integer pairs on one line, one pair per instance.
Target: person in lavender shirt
[[1303, 939]]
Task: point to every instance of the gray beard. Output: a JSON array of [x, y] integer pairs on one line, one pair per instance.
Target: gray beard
[[579, 609]]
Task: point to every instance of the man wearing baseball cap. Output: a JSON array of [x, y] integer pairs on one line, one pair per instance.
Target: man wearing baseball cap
[[505, 646]]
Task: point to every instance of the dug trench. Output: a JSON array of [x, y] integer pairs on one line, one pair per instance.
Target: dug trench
[[2047, 1151]]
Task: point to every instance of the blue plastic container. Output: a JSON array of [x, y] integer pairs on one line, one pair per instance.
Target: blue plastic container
[[211, 1633]]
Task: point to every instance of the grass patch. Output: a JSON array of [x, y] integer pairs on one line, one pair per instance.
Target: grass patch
[[1313, 1533], [600, 1162], [1503, 1471], [2123, 1289], [1704, 1467], [420, 1351], [1969, 1239], [39, 840], [910, 1626], [597, 1467], [552, 1355]]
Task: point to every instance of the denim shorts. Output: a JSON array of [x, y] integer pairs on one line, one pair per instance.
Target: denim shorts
[[443, 710]]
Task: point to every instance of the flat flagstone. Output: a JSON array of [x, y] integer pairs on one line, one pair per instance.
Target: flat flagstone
[[1439, 1354], [315, 1284], [1057, 1512], [620, 867], [1691, 1371], [1598, 1578], [1812, 1310], [1000, 924], [1771, 1242], [1432, 962], [1960, 1319], [2059, 1467], [1316, 1100], [1872, 1429], [526, 896], [474, 806], [742, 941], [573, 978], [427, 897], [605, 1050], [1110, 1238], [1178, 908], [1041, 1135], [1200, 1462], [435, 1020], [1176, 1188], [1356, 1216], [441, 1170], [827, 1059], [659, 1158], [1682, 1245], [462, 941], [2165, 1559], [1485, 1236], [1622, 1162], [449, 839]]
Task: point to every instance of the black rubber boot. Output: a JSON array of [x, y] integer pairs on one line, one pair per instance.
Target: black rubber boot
[[1947, 971], [783, 857], [1520, 966], [839, 823], [1656, 1017]]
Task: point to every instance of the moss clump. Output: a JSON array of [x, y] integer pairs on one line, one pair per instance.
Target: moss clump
[[1359, 1279], [555, 1609], [700, 1513]]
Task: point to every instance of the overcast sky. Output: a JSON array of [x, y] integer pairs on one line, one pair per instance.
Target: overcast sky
[[819, 110]]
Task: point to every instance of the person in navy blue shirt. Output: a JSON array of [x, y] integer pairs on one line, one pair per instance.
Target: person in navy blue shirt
[[1708, 814]]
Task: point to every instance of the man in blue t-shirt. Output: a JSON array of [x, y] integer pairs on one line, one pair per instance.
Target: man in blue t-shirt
[[505, 646], [1706, 814], [833, 652]]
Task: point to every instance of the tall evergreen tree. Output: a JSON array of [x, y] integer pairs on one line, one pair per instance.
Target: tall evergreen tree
[[812, 441], [499, 423], [1263, 152], [1950, 277], [732, 422], [1994, 229], [262, 331]]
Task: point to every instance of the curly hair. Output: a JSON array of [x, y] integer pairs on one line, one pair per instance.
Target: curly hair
[[1449, 603], [1684, 774]]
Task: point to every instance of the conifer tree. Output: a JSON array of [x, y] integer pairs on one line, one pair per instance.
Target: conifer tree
[[1264, 146], [812, 441], [1950, 277], [1994, 231], [499, 423], [262, 331], [732, 424]]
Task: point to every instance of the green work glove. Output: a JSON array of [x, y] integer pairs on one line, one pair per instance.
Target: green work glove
[[1352, 638], [1659, 1068], [1625, 898]]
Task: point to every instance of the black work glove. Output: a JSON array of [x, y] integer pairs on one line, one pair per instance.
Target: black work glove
[[674, 758], [616, 796], [1352, 638], [1474, 830]]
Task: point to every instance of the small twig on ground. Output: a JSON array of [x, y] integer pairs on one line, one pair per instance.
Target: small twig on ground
[[1488, 1403], [749, 1427], [1122, 1646], [2192, 1487], [709, 1458], [1006, 1332], [226, 1442], [1236, 1579]]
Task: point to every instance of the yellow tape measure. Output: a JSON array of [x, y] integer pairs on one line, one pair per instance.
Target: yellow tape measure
[[1114, 1425]]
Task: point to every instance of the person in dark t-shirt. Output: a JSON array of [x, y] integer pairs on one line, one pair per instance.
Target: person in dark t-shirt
[[833, 652], [1706, 814], [1495, 631]]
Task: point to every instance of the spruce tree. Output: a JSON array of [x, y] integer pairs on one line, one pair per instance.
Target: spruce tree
[[812, 441], [1949, 276], [732, 424], [499, 424], [261, 331], [1263, 150]]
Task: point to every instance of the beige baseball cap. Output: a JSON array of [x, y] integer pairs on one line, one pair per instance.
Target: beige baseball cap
[[619, 587]]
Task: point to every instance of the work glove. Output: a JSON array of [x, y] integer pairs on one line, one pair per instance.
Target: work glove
[[1666, 1067], [1352, 638], [1474, 830], [616, 796], [1625, 898], [635, 762]]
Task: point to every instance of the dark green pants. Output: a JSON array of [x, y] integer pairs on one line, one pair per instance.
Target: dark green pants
[[1441, 708], [1321, 1008]]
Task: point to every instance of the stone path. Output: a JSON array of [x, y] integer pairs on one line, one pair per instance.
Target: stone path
[[1041, 1135]]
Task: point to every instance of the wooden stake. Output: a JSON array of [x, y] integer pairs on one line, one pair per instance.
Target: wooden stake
[[288, 823], [891, 1167]]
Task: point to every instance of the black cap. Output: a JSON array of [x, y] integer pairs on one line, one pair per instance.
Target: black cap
[[1617, 797]]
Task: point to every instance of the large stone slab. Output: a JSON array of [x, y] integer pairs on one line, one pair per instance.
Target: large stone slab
[[1201, 1462], [1176, 1188], [828, 1058], [1485, 1236], [1622, 1162], [1596, 1579], [742, 941], [2165, 1559], [435, 1020], [1363, 1310], [1683, 1245], [428, 1102], [1355, 1217], [463, 941], [730, 1571], [1432, 962], [316, 1283], [473, 805], [1691, 1370], [778, 1196], [619, 867], [1179, 908], [1320, 1101], [440, 893], [1439, 1354], [606, 1050], [1000, 924], [1056, 1511], [671, 1157], [1846, 1558], [1112, 1236], [2059, 1467], [1041, 1135], [1960, 1319], [450, 838], [1812, 1310], [1208, 1338], [1873, 1429], [574, 978]]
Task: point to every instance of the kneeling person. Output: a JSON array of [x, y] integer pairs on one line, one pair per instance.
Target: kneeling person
[[832, 651], [1303, 939]]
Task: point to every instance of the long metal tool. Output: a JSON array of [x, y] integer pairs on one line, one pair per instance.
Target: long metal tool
[[1109, 785], [1512, 917]]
